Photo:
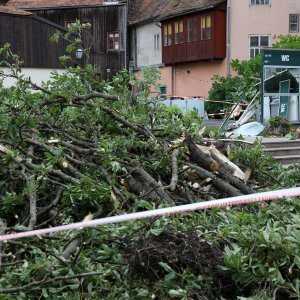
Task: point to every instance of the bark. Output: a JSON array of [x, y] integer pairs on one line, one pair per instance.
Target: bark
[[211, 161], [218, 183], [142, 182], [174, 170]]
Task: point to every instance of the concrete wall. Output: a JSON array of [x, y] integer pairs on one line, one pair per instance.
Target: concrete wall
[[37, 75], [146, 55]]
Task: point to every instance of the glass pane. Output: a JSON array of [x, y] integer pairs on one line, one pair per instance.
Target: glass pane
[[165, 40], [165, 30], [294, 19], [169, 29], [176, 27], [202, 22], [264, 41], [181, 26], [293, 28], [202, 33], [208, 33], [208, 21], [252, 53], [253, 41]]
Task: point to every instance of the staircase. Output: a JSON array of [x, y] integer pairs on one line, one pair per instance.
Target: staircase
[[285, 150]]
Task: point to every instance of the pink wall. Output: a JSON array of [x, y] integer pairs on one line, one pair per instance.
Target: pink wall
[[272, 20], [193, 79]]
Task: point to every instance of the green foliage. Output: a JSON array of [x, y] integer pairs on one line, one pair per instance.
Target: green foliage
[[68, 122], [257, 160], [244, 84], [288, 41], [278, 126]]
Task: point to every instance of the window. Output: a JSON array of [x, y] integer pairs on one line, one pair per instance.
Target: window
[[178, 32], [260, 2], [192, 29], [168, 35], [162, 92], [113, 40], [257, 42], [156, 41], [206, 31], [294, 23]]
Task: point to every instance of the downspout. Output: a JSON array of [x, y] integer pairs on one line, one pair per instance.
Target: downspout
[[126, 35], [228, 36], [173, 80]]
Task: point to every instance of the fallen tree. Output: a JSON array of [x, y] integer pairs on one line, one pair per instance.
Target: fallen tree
[[76, 148]]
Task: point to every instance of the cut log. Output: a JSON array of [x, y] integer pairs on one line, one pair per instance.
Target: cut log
[[142, 182], [212, 160], [218, 183]]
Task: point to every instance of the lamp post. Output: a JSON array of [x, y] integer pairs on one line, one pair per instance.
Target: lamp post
[[79, 53]]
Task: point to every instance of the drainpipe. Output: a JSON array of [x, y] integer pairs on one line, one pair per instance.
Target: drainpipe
[[173, 80], [228, 36], [126, 34]]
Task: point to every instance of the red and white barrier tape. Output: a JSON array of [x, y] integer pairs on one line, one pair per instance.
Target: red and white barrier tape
[[206, 100], [223, 113], [239, 200]]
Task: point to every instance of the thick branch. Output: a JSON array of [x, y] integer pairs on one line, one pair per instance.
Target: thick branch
[[53, 203], [121, 120], [174, 170], [216, 182], [21, 162]]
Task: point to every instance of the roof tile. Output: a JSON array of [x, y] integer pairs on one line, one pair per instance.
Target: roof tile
[[145, 10], [28, 4], [13, 11]]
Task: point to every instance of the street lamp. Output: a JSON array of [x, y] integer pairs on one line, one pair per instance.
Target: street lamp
[[79, 53]]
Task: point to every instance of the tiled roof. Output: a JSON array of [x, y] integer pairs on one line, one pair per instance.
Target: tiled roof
[[33, 4], [144, 10], [180, 7], [13, 11]]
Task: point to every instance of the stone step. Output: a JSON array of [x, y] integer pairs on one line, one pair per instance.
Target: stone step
[[281, 144], [283, 151], [288, 159]]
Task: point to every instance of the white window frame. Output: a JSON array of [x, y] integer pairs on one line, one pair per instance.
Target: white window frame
[[297, 23], [260, 2], [156, 41], [257, 49]]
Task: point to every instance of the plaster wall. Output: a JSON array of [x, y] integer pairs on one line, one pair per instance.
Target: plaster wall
[[146, 54], [191, 80], [246, 20], [36, 75]]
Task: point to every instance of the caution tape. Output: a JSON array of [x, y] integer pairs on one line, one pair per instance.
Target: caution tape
[[239, 200], [223, 113], [207, 100]]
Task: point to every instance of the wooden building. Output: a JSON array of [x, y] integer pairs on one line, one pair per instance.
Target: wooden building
[[193, 33], [29, 37], [108, 33]]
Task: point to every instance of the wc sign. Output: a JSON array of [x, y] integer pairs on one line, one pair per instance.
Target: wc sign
[[281, 57], [285, 58]]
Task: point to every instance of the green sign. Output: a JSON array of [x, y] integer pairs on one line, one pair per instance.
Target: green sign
[[284, 100], [278, 57]]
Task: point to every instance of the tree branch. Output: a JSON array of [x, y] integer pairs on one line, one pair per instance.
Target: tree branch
[[47, 281]]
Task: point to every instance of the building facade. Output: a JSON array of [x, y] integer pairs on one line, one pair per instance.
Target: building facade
[[107, 34], [234, 29]]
